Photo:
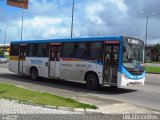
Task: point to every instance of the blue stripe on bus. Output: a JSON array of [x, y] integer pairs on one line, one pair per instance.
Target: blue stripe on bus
[[118, 38]]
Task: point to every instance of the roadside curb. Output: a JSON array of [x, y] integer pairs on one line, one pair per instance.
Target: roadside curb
[[91, 111], [81, 110]]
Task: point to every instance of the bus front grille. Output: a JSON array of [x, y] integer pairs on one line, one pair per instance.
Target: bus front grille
[[136, 72]]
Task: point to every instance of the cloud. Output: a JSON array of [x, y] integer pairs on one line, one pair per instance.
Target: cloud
[[92, 11], [43, 28], [123, 17], [52, 19], [42, 7]]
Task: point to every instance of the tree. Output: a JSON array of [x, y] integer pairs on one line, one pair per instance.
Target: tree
[[157, 47], [156, 52], [1, 52]]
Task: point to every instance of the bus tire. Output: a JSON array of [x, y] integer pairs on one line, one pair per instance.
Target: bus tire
[[92, 82], [34, 73], [114, 87]]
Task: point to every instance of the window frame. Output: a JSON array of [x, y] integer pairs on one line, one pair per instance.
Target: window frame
[[32, 53], [62, 50], [102, 49]]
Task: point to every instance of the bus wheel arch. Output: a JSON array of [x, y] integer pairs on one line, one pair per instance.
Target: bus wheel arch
[[34, 73], [92, 81]]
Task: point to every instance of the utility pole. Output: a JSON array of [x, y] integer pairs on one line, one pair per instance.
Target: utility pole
[[22, 26], [5, 36], [146, 36], [72, 19]]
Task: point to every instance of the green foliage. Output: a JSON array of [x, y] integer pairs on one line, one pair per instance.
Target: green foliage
[[157, 47], [2, 52]]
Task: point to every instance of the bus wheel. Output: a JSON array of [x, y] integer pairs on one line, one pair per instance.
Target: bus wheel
[[34, 73], [114, 87], [92, 82]]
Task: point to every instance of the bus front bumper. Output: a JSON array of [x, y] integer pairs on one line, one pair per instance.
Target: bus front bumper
[[124, 81]]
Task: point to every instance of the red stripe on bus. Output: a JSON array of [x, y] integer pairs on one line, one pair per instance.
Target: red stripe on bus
[[55, 44], [67, 59]]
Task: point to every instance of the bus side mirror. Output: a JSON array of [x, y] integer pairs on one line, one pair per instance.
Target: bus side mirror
[[124, 49]]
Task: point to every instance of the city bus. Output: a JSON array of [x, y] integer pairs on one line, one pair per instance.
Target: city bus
[[113, 61]]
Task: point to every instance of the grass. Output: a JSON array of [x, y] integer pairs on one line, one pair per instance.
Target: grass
[[35, 97], [152, 69]]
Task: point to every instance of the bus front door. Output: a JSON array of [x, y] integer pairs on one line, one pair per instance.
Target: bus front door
[[22, 56], [54, 60], [111, 63]]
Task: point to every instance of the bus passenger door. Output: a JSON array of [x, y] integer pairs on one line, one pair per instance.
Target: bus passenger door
[[111, 61], [54, 59], [22, 56]]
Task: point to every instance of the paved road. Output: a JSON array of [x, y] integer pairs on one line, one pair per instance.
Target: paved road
[[4, 65], [147, 95]]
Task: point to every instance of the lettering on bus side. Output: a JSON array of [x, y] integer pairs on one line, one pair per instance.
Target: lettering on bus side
[[83, 65], [80, 65], [89, 66], [36, 62], [67, 65]]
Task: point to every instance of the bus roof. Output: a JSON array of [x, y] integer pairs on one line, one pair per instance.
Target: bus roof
[[69, 40]]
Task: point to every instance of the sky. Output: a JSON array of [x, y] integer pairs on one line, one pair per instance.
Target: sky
[[46, 19]]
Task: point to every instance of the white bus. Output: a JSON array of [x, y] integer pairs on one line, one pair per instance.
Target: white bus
[[113, 61]]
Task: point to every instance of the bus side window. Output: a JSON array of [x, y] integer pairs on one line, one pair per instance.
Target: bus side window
[[38, 50], [86, 54], [96, 50], [27, 51], [14, 50], [68, 50], [81, 50], [42, 50], [58, 53], [32, 50]]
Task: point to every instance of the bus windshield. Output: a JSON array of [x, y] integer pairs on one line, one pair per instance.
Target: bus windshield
[[133, 53]]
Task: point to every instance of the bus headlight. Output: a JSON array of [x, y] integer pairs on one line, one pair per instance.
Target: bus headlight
[[124, 76]]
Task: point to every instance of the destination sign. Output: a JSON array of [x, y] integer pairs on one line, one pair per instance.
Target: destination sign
[[134, 41]]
